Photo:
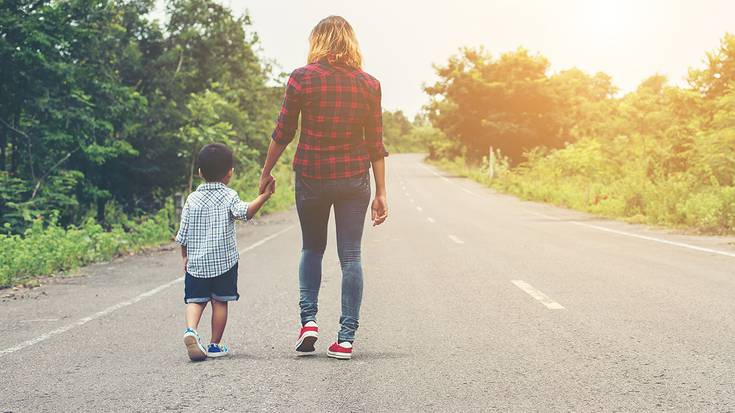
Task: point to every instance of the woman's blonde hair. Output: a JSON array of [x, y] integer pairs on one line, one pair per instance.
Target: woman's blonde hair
[[333, 39]]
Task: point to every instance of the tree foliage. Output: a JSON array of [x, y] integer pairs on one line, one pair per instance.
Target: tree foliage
[[660, 154], [101, 105]]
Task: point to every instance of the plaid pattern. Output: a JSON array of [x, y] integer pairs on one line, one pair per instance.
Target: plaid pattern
[[208, 229], [341, 121]]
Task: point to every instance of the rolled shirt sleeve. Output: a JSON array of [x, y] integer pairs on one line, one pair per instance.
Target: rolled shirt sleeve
[[288, 119], [374, 128], [239, 208], [183, 234]]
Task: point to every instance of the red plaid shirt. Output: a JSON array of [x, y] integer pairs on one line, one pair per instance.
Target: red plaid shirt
[[341, 121]]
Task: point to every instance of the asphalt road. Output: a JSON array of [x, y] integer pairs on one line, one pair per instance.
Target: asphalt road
[[474, 301]]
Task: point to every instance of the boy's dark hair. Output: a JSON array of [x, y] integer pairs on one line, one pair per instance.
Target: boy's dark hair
[[215, 160]]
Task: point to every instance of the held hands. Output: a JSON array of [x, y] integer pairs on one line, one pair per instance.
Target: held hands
[[379, 210], [267, 180], [270, 189]]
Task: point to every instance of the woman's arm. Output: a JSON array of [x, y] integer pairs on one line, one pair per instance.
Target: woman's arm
[[275, 150], [377, 152], [286, 125], [379, 208]]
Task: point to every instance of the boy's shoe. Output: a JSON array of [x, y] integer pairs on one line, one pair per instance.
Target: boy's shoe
[[308, 335], [342, 351], [217, 350], [194, 346]]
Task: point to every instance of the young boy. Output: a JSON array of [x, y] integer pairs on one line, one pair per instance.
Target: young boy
[[207, 238]]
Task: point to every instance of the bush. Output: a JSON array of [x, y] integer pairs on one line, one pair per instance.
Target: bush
[[45, 247]]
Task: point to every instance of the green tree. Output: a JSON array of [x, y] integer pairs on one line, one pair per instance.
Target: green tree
[[507, 103]]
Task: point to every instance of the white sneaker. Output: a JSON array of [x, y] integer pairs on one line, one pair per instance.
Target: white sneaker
[[194, 346]]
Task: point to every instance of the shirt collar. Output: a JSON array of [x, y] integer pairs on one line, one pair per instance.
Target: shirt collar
[[211, 186]]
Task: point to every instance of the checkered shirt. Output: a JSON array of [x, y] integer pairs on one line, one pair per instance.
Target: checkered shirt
[[341, 120], [207, 229]]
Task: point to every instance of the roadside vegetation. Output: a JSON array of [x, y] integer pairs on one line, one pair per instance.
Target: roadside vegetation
[[103, 110], [661, 154]]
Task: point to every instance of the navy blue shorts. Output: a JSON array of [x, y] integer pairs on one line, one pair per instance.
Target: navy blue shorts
[[221, 288]]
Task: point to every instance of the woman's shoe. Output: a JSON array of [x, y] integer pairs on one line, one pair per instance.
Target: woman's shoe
[[308, 335], [342, 351]]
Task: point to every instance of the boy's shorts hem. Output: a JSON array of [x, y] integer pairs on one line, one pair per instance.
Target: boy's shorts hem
[[192, 300], [225, 298], [215, 297]]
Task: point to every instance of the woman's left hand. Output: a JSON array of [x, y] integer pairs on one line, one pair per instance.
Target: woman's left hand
[[265, 181], [379, 209]]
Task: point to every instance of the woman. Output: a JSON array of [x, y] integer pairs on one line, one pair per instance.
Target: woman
[[341, 137]]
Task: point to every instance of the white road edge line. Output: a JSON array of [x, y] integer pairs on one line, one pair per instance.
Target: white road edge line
[[662, 241], [126, 303], [447, 179], [436, 173], [455, 239], [430, 219], [538, 295], [644, 237]]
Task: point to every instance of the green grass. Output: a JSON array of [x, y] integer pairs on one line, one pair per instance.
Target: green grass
[[46, 248]]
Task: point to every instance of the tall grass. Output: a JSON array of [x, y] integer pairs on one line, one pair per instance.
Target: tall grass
[[45, 247], [581, 177]]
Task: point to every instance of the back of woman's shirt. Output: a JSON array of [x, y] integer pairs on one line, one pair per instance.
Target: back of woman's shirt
[[341, 120]]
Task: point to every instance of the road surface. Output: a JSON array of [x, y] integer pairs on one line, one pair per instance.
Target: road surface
[[474, 301]]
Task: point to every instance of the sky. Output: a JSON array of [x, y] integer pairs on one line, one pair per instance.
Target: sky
[[401, 39]]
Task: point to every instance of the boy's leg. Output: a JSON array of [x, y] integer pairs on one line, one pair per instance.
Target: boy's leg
[[224, 290], [196, 295], [219, 320], [194, 314], [313, 210], [349, 216]]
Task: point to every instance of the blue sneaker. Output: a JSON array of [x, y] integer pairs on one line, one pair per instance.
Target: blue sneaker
[[217, 350], [194, 346]]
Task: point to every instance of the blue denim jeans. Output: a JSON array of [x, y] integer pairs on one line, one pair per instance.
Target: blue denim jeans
[[314, 200]]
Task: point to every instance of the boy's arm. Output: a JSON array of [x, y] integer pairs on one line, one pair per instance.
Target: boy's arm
[[184, 256], [182, 235], [259, 201]]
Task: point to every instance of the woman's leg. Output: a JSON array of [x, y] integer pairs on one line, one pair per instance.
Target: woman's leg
[[313, 212], [349, 215]]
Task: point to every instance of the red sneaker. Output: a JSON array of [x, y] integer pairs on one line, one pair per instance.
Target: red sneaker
[[308, 335], [342, 351]]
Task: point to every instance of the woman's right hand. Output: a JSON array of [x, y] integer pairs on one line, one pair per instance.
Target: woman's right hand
[[379, 209]]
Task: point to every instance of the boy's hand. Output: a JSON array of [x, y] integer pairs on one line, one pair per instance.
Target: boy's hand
[[265, 181], [270, 189], [186, 261]]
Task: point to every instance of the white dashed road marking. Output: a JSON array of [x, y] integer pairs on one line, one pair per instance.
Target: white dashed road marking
[[538, 295], [430, 219], [456, 239]]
